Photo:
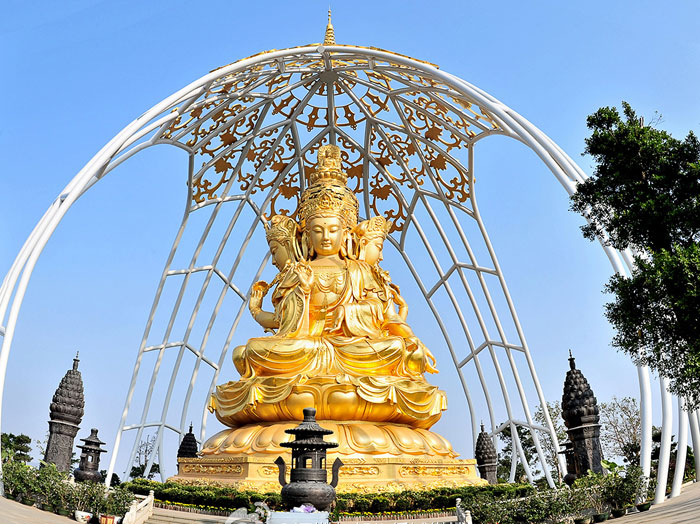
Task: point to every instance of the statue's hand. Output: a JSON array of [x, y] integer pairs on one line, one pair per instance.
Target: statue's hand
[[399, 300], [260, 288], [257, 293], [306, 276]]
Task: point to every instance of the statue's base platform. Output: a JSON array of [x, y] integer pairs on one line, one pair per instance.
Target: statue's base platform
[[366, 474], [354, 438], [376, 457]]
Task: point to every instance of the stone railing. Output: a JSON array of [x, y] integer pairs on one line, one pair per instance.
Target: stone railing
[[140, 512], [411, 518]]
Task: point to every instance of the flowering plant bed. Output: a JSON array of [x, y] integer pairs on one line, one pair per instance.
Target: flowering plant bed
[[191, 508], [395, 515]]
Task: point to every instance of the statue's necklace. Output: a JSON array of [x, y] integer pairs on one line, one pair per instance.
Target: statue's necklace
[[329, 278]]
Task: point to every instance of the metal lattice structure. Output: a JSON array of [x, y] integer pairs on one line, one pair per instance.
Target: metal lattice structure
[[250, 129]]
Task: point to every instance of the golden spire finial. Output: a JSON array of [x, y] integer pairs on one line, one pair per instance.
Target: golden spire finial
[[330, 34]]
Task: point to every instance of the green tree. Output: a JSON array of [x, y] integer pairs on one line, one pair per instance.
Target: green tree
[[621, 429], [504, 457], [645, 195], [550, 451], [143, 454], [16, 447]]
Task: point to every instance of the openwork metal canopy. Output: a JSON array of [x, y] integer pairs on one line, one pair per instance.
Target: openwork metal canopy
[[250, 131]]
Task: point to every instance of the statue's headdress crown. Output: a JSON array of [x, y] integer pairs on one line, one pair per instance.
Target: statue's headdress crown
[[377, 226], [281, 228], [328, 193]]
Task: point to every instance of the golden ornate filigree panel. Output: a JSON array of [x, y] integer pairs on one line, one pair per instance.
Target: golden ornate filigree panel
[[256, 131]]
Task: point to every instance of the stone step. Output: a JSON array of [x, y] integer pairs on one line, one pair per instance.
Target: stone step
[[167, 516]]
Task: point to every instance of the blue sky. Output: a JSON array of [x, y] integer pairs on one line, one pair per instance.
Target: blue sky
[[75, 73]]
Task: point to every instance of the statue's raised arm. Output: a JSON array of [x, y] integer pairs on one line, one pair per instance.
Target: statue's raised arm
[[282, 238]]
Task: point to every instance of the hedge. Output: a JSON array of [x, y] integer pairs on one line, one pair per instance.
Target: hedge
[[225, 498]]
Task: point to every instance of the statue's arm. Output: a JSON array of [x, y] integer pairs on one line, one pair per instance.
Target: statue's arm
[[264, 318]]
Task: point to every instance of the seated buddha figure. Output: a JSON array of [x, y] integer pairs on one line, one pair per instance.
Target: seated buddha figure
[[337, 340], [336, 323]]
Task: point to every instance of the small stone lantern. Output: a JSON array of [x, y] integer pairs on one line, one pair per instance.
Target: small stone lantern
[[89, 468], [308, 476]]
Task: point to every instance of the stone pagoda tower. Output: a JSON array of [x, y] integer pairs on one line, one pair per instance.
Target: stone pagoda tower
[[486, 457], [581, 415], [188, 447], [65, 414]]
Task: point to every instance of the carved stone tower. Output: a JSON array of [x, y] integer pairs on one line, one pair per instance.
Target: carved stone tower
[[188, 447], [89, 468], [65, 414], [580, 412], [486, 457]]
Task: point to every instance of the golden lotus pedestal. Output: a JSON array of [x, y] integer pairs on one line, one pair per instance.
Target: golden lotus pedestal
[[377, 457]]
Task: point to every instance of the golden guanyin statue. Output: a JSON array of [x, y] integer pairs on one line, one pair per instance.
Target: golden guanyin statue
[[339, 342]]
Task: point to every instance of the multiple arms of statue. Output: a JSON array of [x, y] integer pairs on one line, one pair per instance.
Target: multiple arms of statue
[[293, 275], [265, 319]]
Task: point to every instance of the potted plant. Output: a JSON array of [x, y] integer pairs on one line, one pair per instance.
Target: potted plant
[[12, 472], [27, 486], [644, 491], [60, 495], [117, 505], [560, 507], [89, 500], [620, 490], [579, 505], [601, 497], [49, 482]]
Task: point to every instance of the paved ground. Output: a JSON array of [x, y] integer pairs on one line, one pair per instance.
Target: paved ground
[[684, 509], [12, 512]]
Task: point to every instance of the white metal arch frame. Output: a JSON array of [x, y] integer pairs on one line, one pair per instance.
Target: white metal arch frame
[[409, 131]]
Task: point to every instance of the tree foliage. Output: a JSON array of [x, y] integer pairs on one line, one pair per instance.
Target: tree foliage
[[143, 454], [506, 454], [16, 447], [550, 451], [621, 429], [645, 195]]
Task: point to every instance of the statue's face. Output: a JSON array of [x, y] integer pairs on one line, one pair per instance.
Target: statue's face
[[326, 235], [373, 250], [280, 255]]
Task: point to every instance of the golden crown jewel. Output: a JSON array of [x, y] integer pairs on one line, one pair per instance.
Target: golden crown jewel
[[328, 193]]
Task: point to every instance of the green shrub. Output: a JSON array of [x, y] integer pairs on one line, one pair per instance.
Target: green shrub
[[401, 504], [223, 497], [118, 501], [241, 500], [362, 504], [227, 498], [90, 496], [379, 504]]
